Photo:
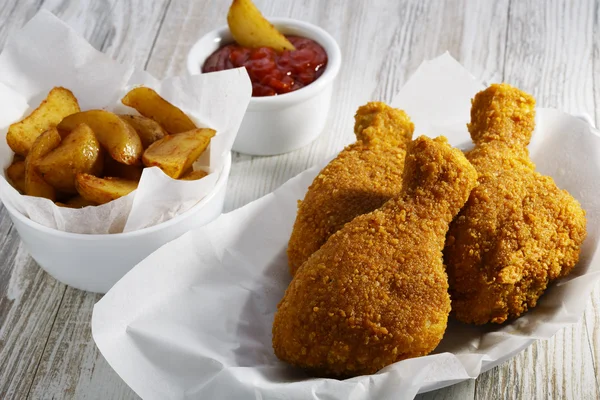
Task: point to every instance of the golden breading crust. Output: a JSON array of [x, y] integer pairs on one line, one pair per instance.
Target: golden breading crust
[[518, 231], [376, 292], [360, 179]]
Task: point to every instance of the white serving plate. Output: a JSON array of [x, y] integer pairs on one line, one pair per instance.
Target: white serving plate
[[194, 319]]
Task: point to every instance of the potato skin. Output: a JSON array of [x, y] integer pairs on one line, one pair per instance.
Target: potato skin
[[59, 103], [35, 184], [175, 154], [115, 169], [194, 175], [79, 152], [16, 175], [103, 190], [115, 135], [147, 129], [150, 104], [76, 202], [250, 29]]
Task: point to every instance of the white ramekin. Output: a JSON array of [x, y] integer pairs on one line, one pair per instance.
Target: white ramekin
[[96, 262], [279, 124]]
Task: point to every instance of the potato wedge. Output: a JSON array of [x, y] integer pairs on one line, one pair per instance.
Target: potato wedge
[[35, 184], [194, 175], [103, 190], [59, 103], [175, 154], [79, 152], [117, 137], [16, 175], [250, 29], [76, 202], [118, 170], [149, 103], [147, 129]]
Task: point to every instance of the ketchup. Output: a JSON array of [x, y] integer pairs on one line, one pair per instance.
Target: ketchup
[[273, 73]]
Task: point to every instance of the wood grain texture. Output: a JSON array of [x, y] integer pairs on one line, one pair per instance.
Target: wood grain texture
[[13, 14], [548, 48], [29, 303], [123, 29], [592, 323], [462, 390], [70, 364], [592, 314]]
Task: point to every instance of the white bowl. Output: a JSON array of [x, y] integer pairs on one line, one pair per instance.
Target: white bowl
[[96, 262], [279, 124]]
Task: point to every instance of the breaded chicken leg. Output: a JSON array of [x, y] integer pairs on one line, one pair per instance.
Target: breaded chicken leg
[[376, 292], [360, 179], [518, 231]]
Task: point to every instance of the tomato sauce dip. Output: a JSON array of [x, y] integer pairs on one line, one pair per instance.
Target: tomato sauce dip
[[273, 73]]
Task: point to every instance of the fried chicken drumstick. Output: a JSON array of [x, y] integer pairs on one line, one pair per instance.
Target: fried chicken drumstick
[[518, 231], [359, 180], [376, 292]]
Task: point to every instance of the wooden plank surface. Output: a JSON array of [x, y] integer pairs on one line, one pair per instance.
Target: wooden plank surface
[[592, 314], [548, 48]]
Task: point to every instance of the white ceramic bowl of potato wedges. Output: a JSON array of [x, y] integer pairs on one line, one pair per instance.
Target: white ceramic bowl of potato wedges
[[71, 169], [96, 262]]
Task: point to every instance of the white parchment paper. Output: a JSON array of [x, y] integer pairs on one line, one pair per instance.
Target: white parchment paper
[[48, 53], [193, 320]]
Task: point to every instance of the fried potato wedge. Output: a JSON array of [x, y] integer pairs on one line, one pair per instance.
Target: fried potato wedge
[[250, 29], [194, 175], [76, 202], [175, 154], [149, 103], [103, 190], [115, 135], [118, 170], [147, 129], [16, 175], [79, 152], [35, 184], [59, 103]]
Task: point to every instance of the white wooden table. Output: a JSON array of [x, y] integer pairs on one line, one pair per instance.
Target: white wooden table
[[549, 48]]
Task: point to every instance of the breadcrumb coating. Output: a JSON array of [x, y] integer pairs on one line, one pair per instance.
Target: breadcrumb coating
[[376, 292], [518, 231], [360, 179]]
